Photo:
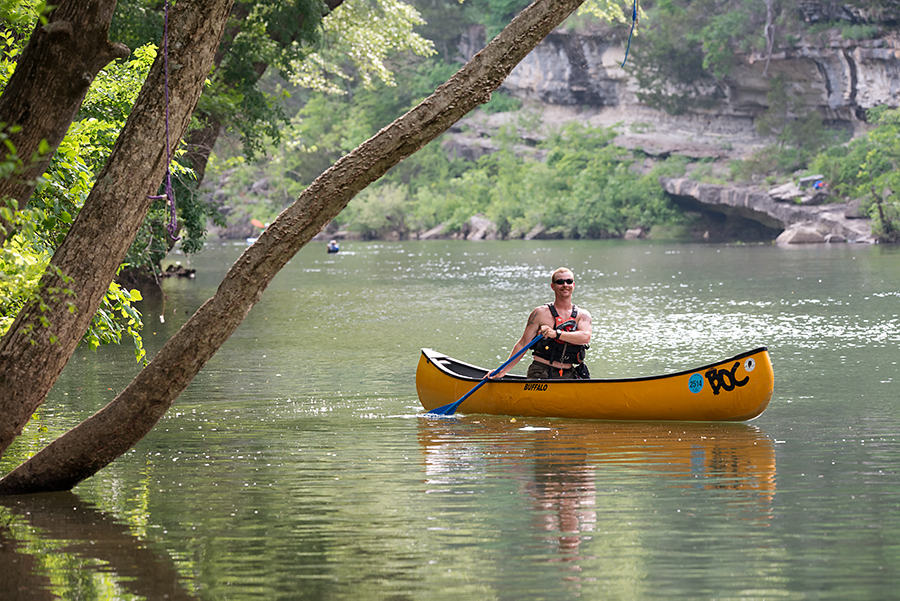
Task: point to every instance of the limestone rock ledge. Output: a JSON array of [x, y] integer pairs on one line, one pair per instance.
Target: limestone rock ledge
[[798, 223]]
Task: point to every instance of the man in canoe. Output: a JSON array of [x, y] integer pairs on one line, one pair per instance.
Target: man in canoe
[[566, 330]]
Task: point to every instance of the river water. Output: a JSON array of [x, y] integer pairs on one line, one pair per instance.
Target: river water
[[298, 466]]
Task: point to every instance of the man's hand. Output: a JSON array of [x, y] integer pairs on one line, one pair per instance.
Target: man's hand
[[492, 376]]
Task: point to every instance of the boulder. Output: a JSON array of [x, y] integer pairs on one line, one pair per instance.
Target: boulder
[[634, 234], [810, 180], [346, 235], [434, 233], [536, 232], [786, 192], [756, 205], [813, 197], [540, 232], [800, 233], [853, 210], [481, 228]]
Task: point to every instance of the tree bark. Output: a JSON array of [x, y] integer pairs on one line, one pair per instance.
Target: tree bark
[[109, 433], [46, 332], [52, 77]]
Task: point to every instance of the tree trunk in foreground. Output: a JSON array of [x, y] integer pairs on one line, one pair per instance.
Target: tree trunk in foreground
[[43, 337], [46, 90], [96, 442]]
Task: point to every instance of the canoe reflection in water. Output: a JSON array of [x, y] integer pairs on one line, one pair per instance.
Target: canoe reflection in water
[[575, 472]]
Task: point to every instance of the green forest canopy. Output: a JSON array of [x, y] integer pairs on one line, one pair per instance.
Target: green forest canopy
[[325, 97], [682, 47]]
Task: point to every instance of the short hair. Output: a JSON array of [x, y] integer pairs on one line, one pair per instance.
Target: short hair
[[557, 272]]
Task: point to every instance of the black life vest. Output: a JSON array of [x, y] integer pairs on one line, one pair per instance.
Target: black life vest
[[557, 350]]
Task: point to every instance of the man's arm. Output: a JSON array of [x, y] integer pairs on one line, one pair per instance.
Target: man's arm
[[582, 333], [531, 330]]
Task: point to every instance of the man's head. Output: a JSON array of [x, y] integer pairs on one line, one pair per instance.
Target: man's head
[[562, 280], [562, 273]]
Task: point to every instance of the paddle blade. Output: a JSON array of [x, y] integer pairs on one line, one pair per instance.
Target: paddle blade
[[446, 409], [451, 408], [257, 223]]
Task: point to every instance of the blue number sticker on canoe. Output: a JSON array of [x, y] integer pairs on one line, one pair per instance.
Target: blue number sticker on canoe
[[695, 384]]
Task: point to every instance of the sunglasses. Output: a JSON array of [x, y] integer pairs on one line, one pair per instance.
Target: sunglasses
[[561, 281]]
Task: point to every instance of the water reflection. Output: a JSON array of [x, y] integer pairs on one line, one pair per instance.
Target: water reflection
[[566, 468], [43, 538], [563, 489], [290, 469]]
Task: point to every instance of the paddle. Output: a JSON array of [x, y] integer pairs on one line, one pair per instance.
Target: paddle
[[451, 408]]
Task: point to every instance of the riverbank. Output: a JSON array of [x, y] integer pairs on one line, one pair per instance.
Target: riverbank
[[792, 213]]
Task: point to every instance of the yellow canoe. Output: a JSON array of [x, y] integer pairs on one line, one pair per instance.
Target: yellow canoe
[[736, 389]]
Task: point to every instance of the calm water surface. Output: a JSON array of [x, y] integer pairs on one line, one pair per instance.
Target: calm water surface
[[297, 466]]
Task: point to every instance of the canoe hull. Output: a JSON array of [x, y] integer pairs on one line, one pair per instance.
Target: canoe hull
[[736, 389]]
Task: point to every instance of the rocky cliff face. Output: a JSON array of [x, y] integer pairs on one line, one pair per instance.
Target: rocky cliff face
[[578, 76], [750, 213]]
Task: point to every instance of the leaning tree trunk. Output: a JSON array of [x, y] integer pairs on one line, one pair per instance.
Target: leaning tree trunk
[[93, 444], [46, 90], [46, 332]]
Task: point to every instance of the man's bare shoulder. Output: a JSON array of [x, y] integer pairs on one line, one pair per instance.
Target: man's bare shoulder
[[584, 318], [540, 315]]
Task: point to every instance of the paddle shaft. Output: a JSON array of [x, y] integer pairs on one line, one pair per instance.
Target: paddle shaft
[[451, 408]]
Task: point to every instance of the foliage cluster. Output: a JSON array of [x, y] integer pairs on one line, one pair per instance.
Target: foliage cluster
[[798, 137], [868, 168], [693, 43], [689, 48], [266, 32], [261, 32], [585, 188], [582, 186], [41, 227], [864, 168], [415, 193]]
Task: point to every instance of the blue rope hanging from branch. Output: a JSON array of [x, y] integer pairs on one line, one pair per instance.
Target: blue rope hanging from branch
[[169, 194], [634, 20]]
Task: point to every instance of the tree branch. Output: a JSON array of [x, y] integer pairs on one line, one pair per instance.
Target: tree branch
[[52, 77], [32, 355], [96, 442]]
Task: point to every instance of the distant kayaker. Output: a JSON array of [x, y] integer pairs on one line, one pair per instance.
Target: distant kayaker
[[560, 354]]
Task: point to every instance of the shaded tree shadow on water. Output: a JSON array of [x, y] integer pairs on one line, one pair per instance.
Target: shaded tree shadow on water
[[61, 524]]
